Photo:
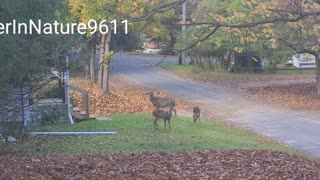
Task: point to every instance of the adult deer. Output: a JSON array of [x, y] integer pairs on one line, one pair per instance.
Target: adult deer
[[163, 102]]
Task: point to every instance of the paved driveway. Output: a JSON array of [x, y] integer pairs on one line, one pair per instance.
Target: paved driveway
[[300, 130]]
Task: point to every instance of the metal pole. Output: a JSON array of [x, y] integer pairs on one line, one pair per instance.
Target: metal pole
[[184, 17], [68, 90]]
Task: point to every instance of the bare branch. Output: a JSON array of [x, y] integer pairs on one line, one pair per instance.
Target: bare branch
[[162, 8], [199, 40], [299, 17], [158, 62], [299, 51]]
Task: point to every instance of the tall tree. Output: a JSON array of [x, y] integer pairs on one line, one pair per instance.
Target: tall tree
[[300, 16], [101, 10]]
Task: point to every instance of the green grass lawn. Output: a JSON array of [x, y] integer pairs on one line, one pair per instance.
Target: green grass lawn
[[195, 72], [174, 66], [135, 133], [190, 70]]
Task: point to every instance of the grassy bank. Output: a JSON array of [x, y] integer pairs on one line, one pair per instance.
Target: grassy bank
[[186, 68], [195, 72], [135, 133]]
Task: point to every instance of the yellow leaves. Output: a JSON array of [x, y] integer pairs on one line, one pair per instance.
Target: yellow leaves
[[84, 10], [252, 37], [247, 3], [315, 48], [316, 29], [238, 49], [267, 31], [218, 42], [219, 18], [239, 14], [211, 14], [194, 38], [261, 9], [273, 43], [316, 6], [235, 31]]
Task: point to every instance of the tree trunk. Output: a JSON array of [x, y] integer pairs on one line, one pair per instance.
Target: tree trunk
[[318, 74], [172, 42], [102, 56], [250, 63], [105, 79], [227, 62], [106, 66], [180, 58], [92, 61], [191, 61], [87, 72]]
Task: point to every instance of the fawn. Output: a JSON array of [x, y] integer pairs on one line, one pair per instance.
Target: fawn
[[161, 114], [196, 114], [162, 102]]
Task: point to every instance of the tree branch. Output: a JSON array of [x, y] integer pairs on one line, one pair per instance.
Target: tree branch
[[298, 51], [162, 8], [299, 17], [199, 40]]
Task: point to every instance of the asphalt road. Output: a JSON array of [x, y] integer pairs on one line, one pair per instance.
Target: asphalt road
[[300, 130]]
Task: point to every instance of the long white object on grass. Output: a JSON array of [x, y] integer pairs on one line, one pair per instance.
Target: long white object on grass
[[73, 133]]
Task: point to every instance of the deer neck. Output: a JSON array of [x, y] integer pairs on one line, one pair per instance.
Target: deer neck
[[170, 112], [151, 97]]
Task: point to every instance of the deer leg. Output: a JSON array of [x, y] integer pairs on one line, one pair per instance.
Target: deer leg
[[165, 124], [175, 112], [155, 123], [169, 124]]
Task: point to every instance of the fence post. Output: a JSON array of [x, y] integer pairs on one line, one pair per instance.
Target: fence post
[[85, 104]]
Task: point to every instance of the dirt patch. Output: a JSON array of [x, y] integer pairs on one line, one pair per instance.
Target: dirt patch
[[124, 98], [179, 165], [298, 96]]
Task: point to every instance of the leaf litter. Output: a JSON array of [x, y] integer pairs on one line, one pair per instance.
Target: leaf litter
[[232, 164]]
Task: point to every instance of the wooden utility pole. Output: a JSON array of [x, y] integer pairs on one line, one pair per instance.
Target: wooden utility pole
[[184, 17]]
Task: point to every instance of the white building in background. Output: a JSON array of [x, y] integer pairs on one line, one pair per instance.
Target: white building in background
[[151, 48], [304, 61]]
